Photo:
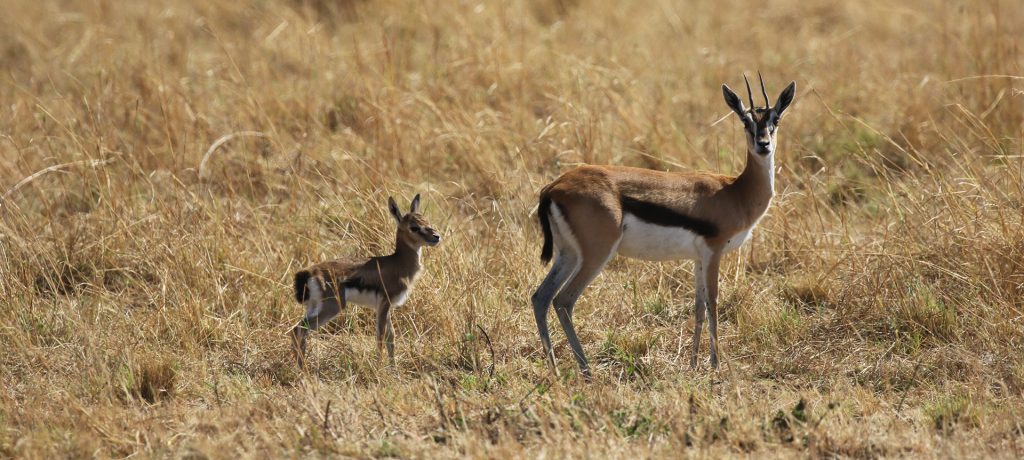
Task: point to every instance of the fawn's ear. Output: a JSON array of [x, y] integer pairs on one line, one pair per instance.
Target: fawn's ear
[[785, 99], [415, 206], [393, 208]]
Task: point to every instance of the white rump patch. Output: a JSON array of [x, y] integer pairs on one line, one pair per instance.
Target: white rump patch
[[564, 240], [315, 295], [646, 241]]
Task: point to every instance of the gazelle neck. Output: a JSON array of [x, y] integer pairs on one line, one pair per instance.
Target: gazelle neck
[[757, 181], [406, 252]]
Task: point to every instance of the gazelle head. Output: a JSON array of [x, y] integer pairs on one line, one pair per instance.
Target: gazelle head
[[760, 123], [413, 228]]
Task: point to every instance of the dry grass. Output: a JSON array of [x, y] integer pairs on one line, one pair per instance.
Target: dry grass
[[878, 311]]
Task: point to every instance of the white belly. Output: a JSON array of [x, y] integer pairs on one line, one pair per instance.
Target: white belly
[[642, 240], [372, 298], [365, 298], [399, 299], [738, 239]]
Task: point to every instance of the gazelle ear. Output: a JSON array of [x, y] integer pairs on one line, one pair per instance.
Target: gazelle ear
[[785, 99], [734, 102], [393, 208], [415, 206]]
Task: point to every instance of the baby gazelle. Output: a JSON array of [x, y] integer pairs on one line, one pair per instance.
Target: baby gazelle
[[379, 282]]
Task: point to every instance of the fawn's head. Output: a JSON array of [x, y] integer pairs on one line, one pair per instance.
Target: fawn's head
[[413, 228], [760, 123]]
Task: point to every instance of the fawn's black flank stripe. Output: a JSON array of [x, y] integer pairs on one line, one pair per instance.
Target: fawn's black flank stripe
[[357, 284], [660, 215]]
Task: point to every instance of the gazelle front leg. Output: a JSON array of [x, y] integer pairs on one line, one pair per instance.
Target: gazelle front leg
[[699, 306], [711, 284], [385, 330]]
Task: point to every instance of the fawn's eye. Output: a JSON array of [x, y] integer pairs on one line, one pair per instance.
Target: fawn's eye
[[415, 229]]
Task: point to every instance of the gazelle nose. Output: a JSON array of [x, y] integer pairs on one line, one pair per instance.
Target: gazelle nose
[[764, 143]]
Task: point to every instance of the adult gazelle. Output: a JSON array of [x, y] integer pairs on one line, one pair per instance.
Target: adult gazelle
[[591, 213]]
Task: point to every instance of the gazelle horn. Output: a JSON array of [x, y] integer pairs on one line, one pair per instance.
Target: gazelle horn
[[750, 95], [764, 91]]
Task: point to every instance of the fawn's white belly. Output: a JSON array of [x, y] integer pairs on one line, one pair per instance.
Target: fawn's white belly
[[646, 241], [373, 298], [362, 297]]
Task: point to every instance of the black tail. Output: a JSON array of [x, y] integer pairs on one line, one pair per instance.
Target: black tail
[[543, 211], [301, 293]]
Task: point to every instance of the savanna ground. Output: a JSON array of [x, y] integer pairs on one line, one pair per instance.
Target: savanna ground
[[145, 267]]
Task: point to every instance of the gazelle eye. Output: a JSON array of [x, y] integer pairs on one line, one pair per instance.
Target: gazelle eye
[[415, 229]]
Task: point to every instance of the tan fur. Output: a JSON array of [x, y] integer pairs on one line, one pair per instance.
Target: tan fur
[[590, 196], [391, 275], [716, 213]]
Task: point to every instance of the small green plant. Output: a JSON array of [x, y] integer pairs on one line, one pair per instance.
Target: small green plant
[[658, 307], [784, 326], [469, 382], [627, 353], [922, 312], [635, 422], [799, 411], [947, 413]]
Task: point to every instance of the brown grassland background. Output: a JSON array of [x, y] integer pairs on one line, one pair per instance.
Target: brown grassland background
[[877, 312]]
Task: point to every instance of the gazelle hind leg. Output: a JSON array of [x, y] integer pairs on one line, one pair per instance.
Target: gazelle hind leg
[[591, 265], [318, 312], [596, 242], [563, 267]]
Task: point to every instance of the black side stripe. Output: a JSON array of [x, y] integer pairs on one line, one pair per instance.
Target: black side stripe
[[357, 283], [660, 215]]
